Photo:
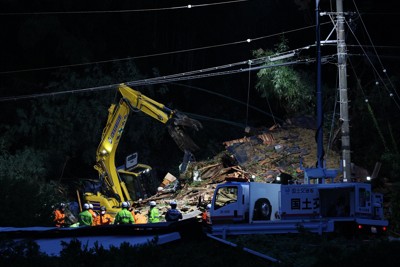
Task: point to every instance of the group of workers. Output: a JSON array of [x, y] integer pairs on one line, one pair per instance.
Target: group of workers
[[127, 215]]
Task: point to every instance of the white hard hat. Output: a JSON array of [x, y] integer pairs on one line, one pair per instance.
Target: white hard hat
[[91, 206], [172, 202], [208, 206], [86, 206], [153, 203], [125, 204]]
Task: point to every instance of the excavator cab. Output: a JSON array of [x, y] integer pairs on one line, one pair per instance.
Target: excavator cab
[[139, 181]]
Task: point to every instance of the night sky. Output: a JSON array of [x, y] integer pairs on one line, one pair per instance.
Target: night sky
[[41, 38]]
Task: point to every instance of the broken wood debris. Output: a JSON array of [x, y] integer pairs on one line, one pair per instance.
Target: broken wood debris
[[261, 158]]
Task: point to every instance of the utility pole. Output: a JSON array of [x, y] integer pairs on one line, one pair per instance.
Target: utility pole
[[344, 106], [319, 173], [319, 134]]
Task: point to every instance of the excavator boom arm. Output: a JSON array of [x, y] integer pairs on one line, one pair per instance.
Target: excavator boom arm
[[117, 117]]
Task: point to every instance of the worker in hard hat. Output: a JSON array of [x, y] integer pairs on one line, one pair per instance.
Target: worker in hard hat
[[124, 216], [91, 210], [173, 214], [205, 216], [103, 218], [139, 217], [59, 215], [85, 217], [154, 214]]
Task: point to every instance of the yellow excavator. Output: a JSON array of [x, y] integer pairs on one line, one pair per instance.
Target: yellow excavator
[[111, 189]]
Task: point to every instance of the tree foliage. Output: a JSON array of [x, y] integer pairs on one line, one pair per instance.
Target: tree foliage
[[25, 163], [291, 88], [291, 250], [27, 202]]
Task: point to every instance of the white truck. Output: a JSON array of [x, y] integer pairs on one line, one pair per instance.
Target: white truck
[[254, 208]]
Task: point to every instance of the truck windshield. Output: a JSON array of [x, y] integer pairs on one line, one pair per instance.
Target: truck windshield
[[225, 196]]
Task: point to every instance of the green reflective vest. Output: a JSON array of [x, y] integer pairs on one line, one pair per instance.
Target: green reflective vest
[[154, 216], [124, 217], [85, 218]]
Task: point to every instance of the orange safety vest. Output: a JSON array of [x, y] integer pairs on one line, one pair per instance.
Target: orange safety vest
[[103, 219], [140, 218], [59, 218], [206, 217], [94, 214]]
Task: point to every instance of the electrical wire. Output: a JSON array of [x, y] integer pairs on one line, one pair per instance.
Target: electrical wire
[[255, 62], [248, 94], [231, 99], [376, 53], [331, 137], [123, 59], [373, 67], [270, 110], [202, 117], [222, 73], [165, 79], [122, 10], [162, 53], [34, 96], [369, 107]]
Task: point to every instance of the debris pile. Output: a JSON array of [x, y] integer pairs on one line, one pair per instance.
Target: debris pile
[[260, 158]]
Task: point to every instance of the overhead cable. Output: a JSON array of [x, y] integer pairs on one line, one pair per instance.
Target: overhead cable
[[165, 79], [159, 80], [373, 67], [121, 10], [376, 53], [159, 54], [231, 99]]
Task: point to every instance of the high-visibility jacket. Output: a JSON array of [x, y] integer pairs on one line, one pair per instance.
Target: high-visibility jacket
[[103, 219], [140, 218], [59, 217], [206, 217], [85, 218], [154, 216], [124, 216]]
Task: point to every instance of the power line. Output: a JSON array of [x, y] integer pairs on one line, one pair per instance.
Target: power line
[[375, 46], [123, 59], [159, 54], [208, 75], [121, 10], [33, 96], [165, 79], [202, 117], [376, 71], [231, 99], [370, 39]]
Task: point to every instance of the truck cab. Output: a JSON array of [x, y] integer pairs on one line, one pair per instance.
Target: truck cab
[[230, 203]]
